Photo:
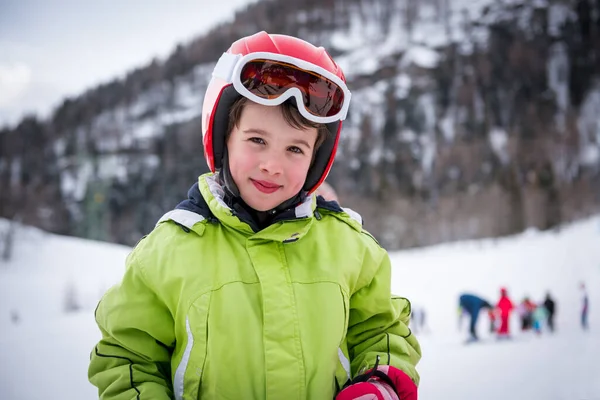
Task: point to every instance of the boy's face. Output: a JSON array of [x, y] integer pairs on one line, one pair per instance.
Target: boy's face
[[268, 158]]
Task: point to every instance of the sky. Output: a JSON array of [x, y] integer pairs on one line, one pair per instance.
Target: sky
[[53, 49], [49, 272]]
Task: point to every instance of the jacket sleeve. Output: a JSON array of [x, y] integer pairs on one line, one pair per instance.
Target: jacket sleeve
[[378, 326], [132, 360]]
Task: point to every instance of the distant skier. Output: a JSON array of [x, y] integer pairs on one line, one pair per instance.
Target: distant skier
[[492, 314], [417, 319], [550, 306], [505, 307], [539, 315], [525, 311], [14, 317], [471, 304], [585, 307]]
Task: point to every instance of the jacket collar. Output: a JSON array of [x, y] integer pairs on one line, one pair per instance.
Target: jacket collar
[[207, 197]]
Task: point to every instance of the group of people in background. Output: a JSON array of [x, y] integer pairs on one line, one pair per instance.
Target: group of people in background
[[533, 316]]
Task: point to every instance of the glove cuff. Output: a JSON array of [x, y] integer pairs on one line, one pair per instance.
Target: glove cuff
[[373, 374]]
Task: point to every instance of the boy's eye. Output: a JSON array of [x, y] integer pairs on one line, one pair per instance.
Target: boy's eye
[[295, 149], [257, 140]]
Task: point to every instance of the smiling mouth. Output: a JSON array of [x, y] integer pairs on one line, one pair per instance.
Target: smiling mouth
[[265, 187]]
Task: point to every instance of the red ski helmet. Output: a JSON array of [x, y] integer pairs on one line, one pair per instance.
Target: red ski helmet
[[297, 57]]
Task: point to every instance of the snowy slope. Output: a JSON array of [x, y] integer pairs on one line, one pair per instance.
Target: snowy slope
[[45, 354], [561, 366]]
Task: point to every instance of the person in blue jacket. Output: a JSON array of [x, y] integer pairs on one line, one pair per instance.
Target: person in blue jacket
[[472, 304]]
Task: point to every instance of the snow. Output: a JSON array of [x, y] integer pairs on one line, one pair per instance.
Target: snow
[[420, 56], [73, 183], [447, 125], [430, 34], [51, 347], [428, 152], [48, 346], [348, 40], [370, 101], [589, 128], [558, 71], [590, 156], [403, 85], [113, 166], [361, 62], [407, 135], [499, 141], [558, 15]]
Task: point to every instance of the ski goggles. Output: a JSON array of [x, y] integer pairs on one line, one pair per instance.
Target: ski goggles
[[270, 79]]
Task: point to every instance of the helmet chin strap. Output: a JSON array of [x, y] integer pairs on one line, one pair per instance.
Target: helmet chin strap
[[233, 191], [228, 183]]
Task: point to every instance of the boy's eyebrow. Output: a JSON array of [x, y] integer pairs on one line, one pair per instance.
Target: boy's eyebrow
[[302, 142], [257, 130], [263, 132]]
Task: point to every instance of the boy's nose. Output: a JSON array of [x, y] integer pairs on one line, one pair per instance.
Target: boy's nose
[[271, 166]]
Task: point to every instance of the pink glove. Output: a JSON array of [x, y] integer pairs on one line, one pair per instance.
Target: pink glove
[[386, 383]]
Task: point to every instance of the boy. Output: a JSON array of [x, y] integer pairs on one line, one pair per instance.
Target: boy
[[250, 289]]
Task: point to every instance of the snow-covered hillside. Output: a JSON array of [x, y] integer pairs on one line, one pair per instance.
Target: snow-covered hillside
[[45, 350]]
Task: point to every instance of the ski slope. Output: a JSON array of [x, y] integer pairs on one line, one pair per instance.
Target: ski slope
[[45, 350]]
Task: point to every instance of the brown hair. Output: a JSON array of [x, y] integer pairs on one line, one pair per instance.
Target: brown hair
[[291, 115]]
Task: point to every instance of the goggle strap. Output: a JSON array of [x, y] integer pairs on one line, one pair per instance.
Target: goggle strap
[[225, 66]]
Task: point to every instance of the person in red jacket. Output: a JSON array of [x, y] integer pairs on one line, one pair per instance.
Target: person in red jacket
[[505, 306]]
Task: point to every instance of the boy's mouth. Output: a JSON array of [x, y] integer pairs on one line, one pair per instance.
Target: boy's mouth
[[265, 186]]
